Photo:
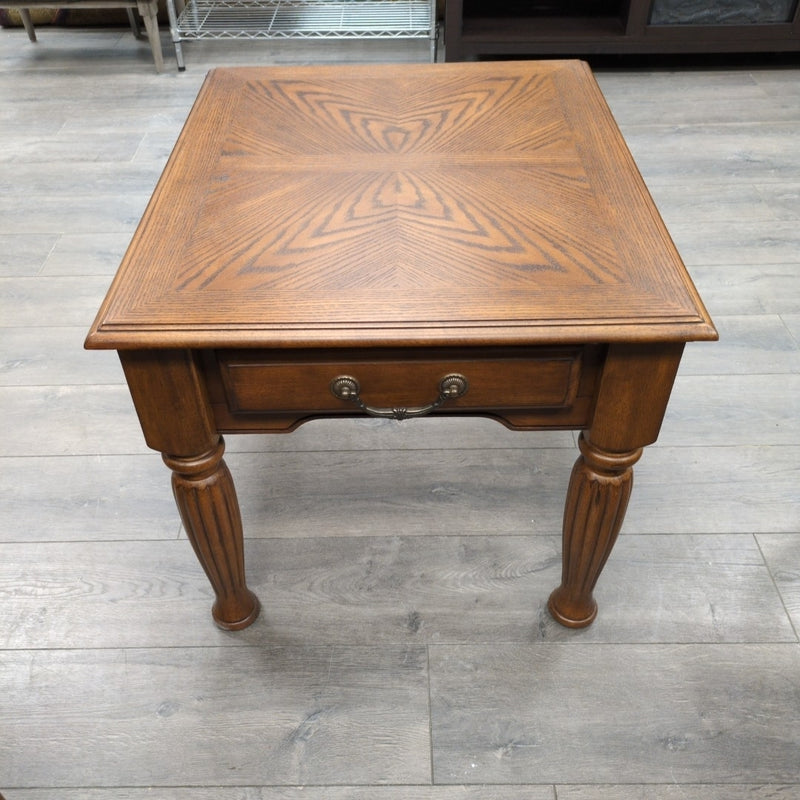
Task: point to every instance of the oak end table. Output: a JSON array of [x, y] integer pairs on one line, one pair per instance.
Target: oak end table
[[400, 241]]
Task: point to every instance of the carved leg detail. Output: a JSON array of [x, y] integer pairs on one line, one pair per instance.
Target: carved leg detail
[[206, 499], [597, 499]]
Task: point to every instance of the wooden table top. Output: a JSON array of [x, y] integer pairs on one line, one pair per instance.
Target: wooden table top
[[445, 204]]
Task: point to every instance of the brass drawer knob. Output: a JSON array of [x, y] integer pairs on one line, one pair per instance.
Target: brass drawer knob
[[346, 387]]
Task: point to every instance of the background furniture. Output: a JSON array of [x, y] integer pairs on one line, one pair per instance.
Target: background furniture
[[301, 19], [147, 8], [475, 28]]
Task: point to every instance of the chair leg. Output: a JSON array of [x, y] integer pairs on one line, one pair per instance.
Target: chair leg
[[25, 15], [134, 22], [149, 12]]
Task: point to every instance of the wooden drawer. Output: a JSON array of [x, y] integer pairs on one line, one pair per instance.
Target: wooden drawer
[[259, 382]]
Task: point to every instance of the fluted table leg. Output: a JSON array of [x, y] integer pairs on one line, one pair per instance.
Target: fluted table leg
[[169, 393], [597, 498], [630, 404], [206, 499]]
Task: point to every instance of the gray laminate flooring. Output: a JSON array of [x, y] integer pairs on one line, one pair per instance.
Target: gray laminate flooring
[[404, 651]]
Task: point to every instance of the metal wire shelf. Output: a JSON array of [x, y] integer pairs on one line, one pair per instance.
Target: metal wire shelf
[[304, 19]]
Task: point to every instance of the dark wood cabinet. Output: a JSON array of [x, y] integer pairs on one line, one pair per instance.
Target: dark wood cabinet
[[490, 28]]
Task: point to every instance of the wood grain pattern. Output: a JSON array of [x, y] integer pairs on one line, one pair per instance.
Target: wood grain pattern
[[698, 791], [175, 415], [664, 104], [96, 499], [416, 492], [28, 301], [742, 243], [792, 323], [678, 490], [291, 197], [597, 500], [309, 725], [390, 588], [761, 345], [61, 413], [767, 158], [770, 416], [78, 555], [204, 492], [336, 207], [750, 501], [314, 793], [53, 357], [752, 288], [76, 214], [269, 380], [781, 555], [23, 255], [650, 714], [94, 252]]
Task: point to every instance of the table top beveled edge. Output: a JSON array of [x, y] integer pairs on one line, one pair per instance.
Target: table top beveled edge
[[127, 334]]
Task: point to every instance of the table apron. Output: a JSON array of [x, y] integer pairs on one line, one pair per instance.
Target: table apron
[[525, 388]]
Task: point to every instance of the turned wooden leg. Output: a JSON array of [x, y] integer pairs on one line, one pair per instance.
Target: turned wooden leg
[[597, 498], [206, 499]]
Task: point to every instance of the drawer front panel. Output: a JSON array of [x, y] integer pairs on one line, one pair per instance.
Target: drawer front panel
[[256, 383]]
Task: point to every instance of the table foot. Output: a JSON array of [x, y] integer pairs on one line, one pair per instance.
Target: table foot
[[228, 624], [561, 598], [597, 499], [206, 499]]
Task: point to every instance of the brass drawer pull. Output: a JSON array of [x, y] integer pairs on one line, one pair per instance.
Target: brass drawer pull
[[345, 387]]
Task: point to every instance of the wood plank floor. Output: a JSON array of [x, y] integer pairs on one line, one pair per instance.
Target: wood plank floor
[[404, 651]]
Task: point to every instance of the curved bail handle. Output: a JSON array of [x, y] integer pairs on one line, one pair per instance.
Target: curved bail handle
[[346, 387]]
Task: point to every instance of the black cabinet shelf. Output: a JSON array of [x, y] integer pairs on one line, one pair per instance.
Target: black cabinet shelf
[[547, 28], [488, 28]]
